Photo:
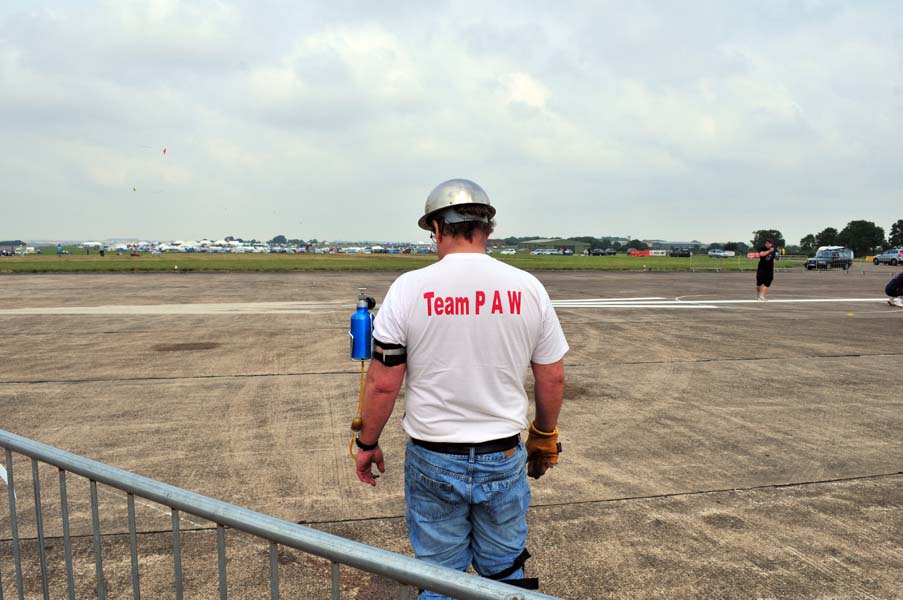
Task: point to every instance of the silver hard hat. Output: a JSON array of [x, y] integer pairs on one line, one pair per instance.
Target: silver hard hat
[[452, 193]]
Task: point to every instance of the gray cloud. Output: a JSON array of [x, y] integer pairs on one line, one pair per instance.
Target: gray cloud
[[700, 120]]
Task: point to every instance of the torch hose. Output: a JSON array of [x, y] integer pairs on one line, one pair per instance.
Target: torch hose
[[360, 404]]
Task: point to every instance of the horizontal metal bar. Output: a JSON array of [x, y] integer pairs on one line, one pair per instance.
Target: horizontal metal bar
[[404, 569]]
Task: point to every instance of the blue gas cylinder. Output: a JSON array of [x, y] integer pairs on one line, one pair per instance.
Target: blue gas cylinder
[[361, 331]]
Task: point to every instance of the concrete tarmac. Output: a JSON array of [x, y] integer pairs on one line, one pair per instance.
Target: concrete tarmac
[[731, 450]]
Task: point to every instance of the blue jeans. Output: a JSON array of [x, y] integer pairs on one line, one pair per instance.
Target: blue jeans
[[467, 509]]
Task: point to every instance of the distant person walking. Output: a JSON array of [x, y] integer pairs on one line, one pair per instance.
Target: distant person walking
[[894, 291], [765, 270], [59, 250]]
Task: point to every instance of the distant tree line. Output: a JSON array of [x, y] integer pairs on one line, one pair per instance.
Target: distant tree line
[[607, 242], [12, 243], [594, 242], [863, 237], [739, 247], [282, 240]]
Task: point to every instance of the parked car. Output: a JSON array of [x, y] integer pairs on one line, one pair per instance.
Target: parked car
[[568, 252], [831, 259], [894, 257], [717, 253], [508, 251], [681, 252]]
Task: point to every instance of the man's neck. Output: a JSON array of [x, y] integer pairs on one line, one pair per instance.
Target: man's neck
[[462, 246]]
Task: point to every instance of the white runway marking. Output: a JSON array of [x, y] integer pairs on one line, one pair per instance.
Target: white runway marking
[[643, 302], [613, 299], [662, 304], [784, 301], [225, 308], [686, 304]]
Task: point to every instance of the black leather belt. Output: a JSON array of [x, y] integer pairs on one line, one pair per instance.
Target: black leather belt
[[499, 445]]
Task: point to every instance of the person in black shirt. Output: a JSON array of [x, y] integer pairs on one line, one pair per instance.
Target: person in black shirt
[[765, 270], [894, 291]]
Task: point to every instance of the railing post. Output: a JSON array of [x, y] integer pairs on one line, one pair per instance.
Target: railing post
[[221, 560], [334, 577], [177, 553], [98, 552], [274, 571], [67, 540], [133, 548], [39, 526], [14, 523]]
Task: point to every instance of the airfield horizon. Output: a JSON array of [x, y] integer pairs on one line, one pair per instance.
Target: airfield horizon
[[184, 262]]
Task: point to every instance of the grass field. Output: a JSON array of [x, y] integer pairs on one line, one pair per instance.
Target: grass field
[[50, 263]]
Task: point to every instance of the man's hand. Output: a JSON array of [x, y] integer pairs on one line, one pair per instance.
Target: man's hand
[[366, 458], [542, 451]]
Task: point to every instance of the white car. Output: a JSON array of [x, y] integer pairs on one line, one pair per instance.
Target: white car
[[893, 257], [508, 251]]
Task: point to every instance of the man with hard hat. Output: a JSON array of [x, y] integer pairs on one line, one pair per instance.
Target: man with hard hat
[[464, 331]]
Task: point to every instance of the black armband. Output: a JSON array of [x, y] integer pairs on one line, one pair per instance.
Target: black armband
[[390, 355]]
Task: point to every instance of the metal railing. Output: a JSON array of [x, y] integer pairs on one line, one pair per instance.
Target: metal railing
[[339, 551]]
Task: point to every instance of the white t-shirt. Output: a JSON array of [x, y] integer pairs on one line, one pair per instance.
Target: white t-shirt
[[472, 325]]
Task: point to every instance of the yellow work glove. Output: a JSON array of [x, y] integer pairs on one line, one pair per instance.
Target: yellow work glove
[[542, 451]]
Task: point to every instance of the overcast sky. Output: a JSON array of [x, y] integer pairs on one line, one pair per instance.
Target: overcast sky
[[673, 120]]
